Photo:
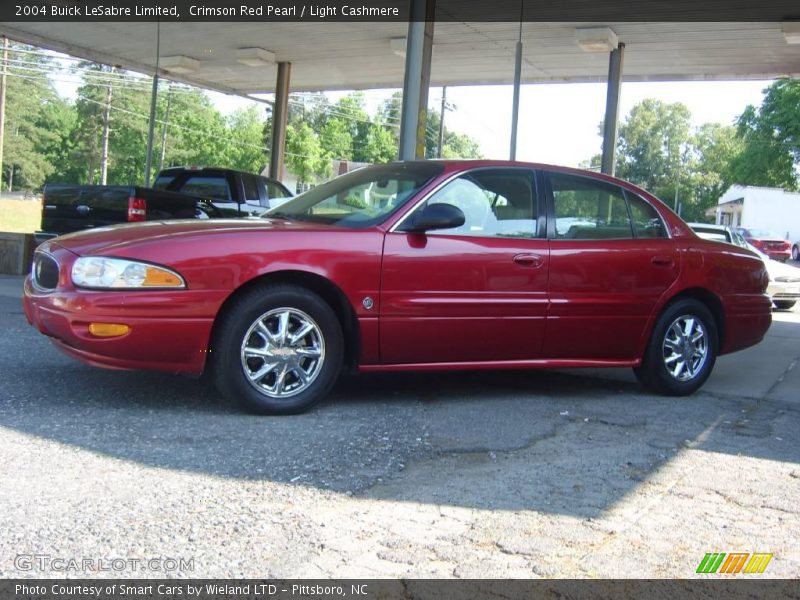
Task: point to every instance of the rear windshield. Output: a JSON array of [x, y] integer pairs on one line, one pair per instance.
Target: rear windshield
[[163, 181], [764, 234], [362, 198], [208, 187]]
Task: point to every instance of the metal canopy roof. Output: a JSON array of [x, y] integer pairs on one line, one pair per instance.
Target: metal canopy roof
[[332, 56]]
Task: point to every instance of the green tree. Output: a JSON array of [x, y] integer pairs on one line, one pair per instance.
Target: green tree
[[716, 148], [653, 146], [31, 134], [655, 150], [61, 119], [780, 114], [336, 140], [198, 133], [304, 154], [351, 111], [247, 150], [771, 136], [380, 145]]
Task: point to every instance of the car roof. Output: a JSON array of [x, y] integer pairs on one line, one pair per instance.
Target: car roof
[[176, 170]]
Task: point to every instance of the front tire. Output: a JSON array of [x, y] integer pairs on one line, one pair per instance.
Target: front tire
[[277, 350], [682, 349], [784, 304]]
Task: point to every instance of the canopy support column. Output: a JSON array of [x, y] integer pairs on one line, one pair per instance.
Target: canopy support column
[[417, 79], [280, 116], [611, 122]]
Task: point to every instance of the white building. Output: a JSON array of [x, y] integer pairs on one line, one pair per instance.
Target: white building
[[760, 208]]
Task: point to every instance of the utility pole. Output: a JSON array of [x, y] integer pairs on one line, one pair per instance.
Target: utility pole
[[164, 131], [441, 121], [106, 135], [153, 101], [445, 107], [3, 105]]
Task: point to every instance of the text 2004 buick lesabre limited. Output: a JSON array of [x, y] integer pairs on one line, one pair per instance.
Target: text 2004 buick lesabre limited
[[418, 265]]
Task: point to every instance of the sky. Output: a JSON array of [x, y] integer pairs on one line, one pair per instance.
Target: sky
[[558, 123]]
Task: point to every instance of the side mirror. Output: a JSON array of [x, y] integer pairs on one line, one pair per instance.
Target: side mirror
[[436, 216]]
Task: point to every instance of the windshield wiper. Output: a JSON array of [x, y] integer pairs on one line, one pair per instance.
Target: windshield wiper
[[277, 215]]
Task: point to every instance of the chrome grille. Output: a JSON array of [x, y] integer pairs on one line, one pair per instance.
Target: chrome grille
[[45, 271]]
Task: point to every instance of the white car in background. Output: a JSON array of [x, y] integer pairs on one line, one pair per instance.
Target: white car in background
[[784, 280]]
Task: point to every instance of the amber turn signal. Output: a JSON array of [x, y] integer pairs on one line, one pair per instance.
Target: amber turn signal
[[161, 278], [108, 329]]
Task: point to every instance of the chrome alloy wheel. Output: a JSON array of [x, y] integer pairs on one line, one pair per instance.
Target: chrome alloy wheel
[[282, 352], [685, 347]]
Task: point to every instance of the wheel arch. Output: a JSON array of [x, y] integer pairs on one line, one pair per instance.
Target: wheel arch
[[330, 293], [707, 298]]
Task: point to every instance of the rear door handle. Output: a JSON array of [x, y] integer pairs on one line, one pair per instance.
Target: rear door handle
[[662, 261], [529, 260]]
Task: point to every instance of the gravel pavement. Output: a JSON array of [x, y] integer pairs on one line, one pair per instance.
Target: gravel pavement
[[504, 474]]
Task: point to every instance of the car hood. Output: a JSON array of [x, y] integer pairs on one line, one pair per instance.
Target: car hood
[[116, 238]]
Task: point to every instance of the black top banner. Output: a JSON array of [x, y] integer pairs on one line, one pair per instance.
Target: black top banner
[[398, 10]]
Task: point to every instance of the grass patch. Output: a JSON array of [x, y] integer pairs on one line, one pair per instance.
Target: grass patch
[[20, 216]]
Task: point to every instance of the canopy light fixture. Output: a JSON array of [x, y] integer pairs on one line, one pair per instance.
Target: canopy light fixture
[[179, 64], [255, 57], [596, 39], [791, 31], [398, 46]]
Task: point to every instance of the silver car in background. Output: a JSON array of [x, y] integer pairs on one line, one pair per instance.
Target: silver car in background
[[784, 280]]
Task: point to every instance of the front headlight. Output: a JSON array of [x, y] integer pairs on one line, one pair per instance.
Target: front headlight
[[102, 272]]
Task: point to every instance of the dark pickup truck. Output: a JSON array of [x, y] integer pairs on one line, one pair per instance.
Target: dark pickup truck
[[178, 193]]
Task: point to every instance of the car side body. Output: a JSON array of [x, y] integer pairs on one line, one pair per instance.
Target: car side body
[[530, 289]]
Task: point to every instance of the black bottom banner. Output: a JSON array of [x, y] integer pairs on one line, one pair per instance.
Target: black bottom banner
[[391, 589]]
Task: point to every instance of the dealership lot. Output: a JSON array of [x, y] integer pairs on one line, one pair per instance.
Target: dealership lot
[[505, 474]]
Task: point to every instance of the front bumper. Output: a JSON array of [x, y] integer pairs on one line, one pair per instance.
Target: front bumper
[[169, 330]]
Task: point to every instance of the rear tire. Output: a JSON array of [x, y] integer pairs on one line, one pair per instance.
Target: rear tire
[[784, 304], [682, 349], [277, 350], [795, 252]]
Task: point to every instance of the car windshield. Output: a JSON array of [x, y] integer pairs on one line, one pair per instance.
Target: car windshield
[[359, 199]]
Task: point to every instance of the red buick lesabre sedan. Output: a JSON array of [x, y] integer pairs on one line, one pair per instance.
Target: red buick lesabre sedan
[[415, 265]]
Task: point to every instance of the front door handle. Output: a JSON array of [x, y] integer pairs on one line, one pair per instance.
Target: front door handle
[[662, 261], [529, 260]]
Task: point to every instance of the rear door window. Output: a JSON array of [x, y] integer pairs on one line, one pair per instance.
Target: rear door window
[[647, 222], [589, 209]]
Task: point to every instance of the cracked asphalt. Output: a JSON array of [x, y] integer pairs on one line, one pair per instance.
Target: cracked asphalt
[[474, 475]]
